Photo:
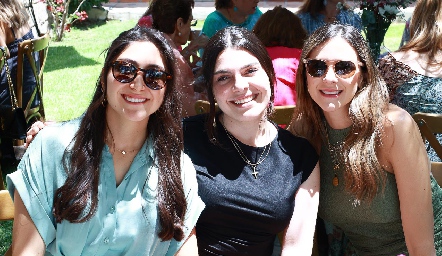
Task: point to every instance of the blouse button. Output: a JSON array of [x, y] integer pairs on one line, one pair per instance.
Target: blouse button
[[106, 240], [112, 209]]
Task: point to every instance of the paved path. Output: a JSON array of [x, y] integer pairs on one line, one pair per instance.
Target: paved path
[[133, 11]]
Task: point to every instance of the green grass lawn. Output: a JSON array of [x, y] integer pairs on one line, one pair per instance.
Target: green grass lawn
[[72, 69]]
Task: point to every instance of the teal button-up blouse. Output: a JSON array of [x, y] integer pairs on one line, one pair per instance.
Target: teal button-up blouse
[[126, 221]]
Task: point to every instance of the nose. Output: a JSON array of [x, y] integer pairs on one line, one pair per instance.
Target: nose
[[240, 84], [330, 75], [138, 83]]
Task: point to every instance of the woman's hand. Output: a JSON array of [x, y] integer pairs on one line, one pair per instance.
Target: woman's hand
[[298, 236], [35, 128]]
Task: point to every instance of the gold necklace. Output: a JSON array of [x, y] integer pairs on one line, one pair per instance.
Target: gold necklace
[[334, 155], [122, 151], [244, 157]]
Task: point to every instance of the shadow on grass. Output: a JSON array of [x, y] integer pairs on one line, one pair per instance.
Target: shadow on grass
[[87, 24], [61, 57]]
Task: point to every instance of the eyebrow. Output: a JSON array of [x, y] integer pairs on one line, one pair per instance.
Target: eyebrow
[[223, 71]]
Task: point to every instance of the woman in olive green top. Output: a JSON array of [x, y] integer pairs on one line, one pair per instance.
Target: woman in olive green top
[[375, 175]]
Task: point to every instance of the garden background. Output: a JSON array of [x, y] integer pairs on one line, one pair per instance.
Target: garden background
[[73, 66]]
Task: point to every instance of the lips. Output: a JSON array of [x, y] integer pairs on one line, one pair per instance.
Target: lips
[[334, 92], [245, 100], [134, 100]]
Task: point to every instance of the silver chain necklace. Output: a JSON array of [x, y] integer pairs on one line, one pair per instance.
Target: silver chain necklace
[[244, 157]]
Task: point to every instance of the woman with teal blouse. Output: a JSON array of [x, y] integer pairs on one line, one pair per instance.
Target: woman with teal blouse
[[231, 13], [114, 181]]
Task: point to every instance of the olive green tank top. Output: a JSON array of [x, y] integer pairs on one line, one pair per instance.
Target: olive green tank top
[[373, 228]]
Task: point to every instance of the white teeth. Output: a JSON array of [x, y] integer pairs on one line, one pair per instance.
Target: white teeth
[[134, 100], [245, 100], [331, 92]]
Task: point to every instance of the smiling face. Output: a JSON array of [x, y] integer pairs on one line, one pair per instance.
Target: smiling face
[[134, 101], [241, 86], [333, 93]]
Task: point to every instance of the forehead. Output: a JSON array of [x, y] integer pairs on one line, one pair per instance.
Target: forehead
[[232, 58], [335, 48], [143, 53]]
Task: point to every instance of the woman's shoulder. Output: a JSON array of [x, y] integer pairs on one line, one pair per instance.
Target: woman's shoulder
[[397, 123]]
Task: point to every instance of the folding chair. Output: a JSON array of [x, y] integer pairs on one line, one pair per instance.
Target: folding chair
[[37, 47], [429, 125]]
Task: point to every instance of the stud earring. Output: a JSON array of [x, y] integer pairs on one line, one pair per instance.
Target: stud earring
[[179, 33], [104, 101], [235, 9], [325, 2]]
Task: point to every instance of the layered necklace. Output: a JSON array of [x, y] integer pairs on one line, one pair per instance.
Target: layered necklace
[[336, 151], [122, 151], [261, 158]]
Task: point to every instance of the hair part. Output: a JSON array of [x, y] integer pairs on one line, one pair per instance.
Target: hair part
[[77, 200], [269, 30], [366, 113]]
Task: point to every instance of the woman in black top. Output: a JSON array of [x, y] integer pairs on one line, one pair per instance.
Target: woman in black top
[[250, 172]]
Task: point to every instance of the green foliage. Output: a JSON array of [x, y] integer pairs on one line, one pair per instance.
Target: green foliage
[[87, 5]]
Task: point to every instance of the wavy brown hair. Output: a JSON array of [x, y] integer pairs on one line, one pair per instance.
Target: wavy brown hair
[[269, 30], [362, 168], [235, 38], [76, 201], [426, 30], [13, 13]]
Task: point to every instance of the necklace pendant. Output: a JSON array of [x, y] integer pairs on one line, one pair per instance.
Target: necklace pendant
[[335, 180], [254, 173], [123, 152]]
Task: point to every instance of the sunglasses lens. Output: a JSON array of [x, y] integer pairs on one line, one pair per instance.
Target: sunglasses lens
[[316, 68], [123, 72], [155, 79], [345, 69]]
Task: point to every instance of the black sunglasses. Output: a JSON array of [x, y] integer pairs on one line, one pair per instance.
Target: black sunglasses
[[318, 68], [193, 22], [125, 72]]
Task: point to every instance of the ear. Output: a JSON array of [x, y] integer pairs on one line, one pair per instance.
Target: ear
[[179, 24]]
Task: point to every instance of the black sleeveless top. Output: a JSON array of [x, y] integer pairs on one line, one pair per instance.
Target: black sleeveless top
[[244, 214]]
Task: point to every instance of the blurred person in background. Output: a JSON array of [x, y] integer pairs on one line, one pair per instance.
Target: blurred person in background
[[284, 44]]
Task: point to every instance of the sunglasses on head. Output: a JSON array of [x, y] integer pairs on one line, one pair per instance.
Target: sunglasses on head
[[125, 72], [342, 68]]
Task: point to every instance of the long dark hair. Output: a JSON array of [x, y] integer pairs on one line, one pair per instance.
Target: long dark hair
[[236, 38], [366, 113], [76, 201]]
